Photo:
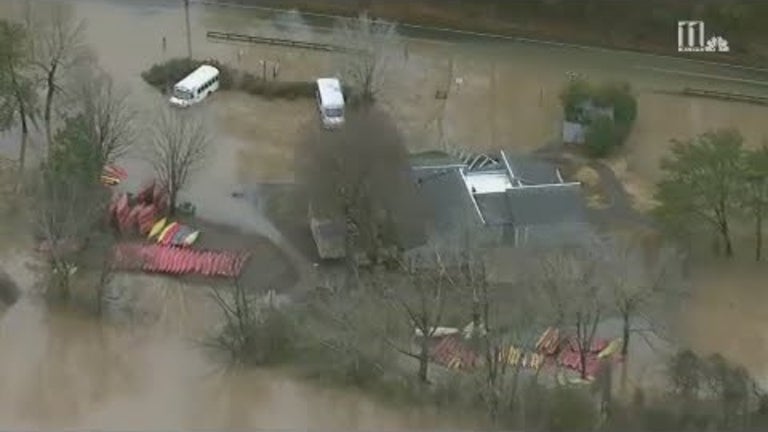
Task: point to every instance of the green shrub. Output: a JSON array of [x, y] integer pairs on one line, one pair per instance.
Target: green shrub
[[573, 95], [277, 89], [164, 75], [618, 96], [602, 136], [571, 409], [266, 340]]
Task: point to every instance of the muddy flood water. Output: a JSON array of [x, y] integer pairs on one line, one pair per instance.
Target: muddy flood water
[[63, 369]]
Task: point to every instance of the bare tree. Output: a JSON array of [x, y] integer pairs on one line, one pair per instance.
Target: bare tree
[[370, 46], [71, 200], [360, 175], [642, 285], [348, 327], [17, 91], [58, 46], [754, 198], [179, 146], [67, 210], [570, 287], [712, 391], [255, 330], [505, 328], [240, 319], [107, 115], [419, 293]]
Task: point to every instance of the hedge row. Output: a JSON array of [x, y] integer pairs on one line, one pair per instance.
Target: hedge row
[[603, 134], [164, 75], [276, 89]]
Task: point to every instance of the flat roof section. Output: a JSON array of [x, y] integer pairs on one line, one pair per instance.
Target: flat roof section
[[330, 92], [197, 78], [488, 182]]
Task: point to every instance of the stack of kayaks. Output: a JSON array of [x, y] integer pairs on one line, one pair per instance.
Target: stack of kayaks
[[173, 233], [112, 175]]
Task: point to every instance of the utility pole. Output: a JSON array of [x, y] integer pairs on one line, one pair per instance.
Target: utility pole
[[189, 34]]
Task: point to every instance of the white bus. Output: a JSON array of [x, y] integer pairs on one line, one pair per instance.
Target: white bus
[[195, 87], [330, 102]]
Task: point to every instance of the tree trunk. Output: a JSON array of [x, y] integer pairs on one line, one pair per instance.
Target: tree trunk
[[624, 350], [22, 147], [513, 406], [172, 193], [758, 234], [24, 128], [50, 81], [625, 333], [726, 234], [581, 334], [606, 391], [424, 360]]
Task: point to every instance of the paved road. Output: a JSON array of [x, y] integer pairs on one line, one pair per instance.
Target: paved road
[[643, 70], [646, 68]]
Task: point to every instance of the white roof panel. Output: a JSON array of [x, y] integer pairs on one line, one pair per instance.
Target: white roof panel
[[488, 182], [197, 78], [330, 92]]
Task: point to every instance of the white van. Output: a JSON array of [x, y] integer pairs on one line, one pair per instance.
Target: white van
[[195, 87], [330, 102]]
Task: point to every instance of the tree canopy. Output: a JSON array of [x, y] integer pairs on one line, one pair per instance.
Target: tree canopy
[[360, 174], [702, 181], [607, 111]]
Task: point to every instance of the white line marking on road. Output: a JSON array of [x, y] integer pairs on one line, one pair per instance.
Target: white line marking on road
[[702, 75], [502, 37]]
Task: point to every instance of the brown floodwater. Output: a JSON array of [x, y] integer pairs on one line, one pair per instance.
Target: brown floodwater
[[60, 368], [64, 369], [727, 312]]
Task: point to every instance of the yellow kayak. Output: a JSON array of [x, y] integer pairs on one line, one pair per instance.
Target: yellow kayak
[[165, 231], [109, 180], [156, 228], [611, 349]]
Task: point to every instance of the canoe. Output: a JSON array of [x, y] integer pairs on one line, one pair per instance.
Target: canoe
[[157, 228], [181, 234], [109, 180], [174, 228], [115, 171], [191, 238], [164, 233], [611, 349]]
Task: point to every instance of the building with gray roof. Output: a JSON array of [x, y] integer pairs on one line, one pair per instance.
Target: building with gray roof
[[503, 200]]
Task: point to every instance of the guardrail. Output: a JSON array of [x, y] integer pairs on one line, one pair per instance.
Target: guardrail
[[237, 37], [736, 97]]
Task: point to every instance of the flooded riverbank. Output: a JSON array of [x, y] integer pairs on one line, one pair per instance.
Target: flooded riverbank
[[61, 368]]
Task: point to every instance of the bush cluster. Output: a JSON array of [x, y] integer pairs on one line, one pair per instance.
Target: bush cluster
[[164, 75], [276, 89], [603, 133]]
